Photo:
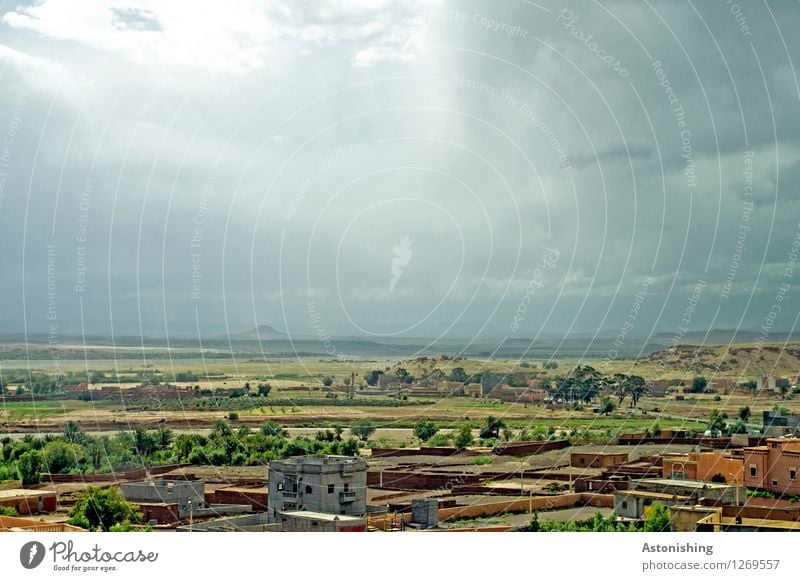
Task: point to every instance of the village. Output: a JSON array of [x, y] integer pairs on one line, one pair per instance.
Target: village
[[730, 470]]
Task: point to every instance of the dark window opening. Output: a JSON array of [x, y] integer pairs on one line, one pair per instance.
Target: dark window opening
[[330, 488]]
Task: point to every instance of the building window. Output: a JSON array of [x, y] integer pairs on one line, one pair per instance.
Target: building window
[[308, 489], [583, 460], [752, 470], [624, 504], [793, 474], [346, 487], [280, 485], [774, 483], [330, 488]]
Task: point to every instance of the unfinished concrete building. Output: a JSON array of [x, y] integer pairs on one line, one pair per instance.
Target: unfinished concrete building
[[187, 495], [318, 483]]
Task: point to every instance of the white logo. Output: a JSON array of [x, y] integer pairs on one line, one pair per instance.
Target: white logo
[[402, 256], [31, 554]]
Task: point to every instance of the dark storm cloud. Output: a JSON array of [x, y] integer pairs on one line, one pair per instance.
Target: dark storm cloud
[[398, 164]]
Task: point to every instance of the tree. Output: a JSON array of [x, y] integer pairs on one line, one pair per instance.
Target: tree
[[779, 410], [372, 377], [264, 389], [327, 381], [658, 519], [464, 437], [744, 413], [144, 442], [363, 429], [607, 405], [699, 384], [101, 509], [716, 423], [458, 374], [73, 433], [222, 429], [29, 466], [425, 430], [492, 428], [270, 428], [59, 457], [597, 523], [738, 427], [620, 386], [636, 387]]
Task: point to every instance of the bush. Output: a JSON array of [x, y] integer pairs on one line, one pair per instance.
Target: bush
[[363, 429], [440, 440], [233, 416], [425, 430], [102, 509], [29, 466], [464, 437]]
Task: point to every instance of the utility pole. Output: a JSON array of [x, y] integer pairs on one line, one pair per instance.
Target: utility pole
[[191, 514]]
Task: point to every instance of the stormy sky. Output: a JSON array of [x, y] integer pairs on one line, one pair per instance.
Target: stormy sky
[[407, 167]]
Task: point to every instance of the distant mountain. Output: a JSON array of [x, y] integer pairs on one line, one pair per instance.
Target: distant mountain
[[725, 336], [743, 360], [262, 332]]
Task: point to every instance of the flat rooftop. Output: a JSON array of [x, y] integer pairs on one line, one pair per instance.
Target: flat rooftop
[[309, 514], [646, 494], [692, 484], [320, 459], [24, 493]]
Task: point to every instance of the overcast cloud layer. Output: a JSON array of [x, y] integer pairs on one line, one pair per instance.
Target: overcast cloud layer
[[399, 167]]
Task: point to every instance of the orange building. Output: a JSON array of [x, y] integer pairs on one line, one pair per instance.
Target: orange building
[[704, 466], [28, 501], [597, 459], [773, 467], [16, 524]]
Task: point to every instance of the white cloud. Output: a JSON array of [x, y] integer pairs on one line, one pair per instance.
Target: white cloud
[[36, 69], [234, 37]]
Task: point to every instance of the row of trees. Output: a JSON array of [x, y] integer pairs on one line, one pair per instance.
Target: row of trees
[[75, 452], [656, 521], [584, 384]]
